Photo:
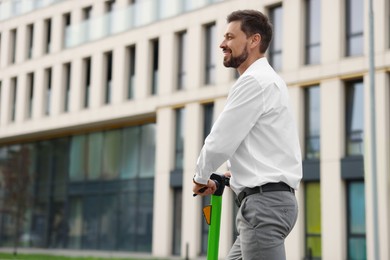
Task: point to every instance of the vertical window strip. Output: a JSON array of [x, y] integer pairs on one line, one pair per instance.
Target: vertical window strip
[[48, 76], [354, 27], [313, 239], [354, 119], [356, 219], [181, 60], [312, 122], [131, 75], [210, 59], [13, 98], [275, 51], [67, 68], [313, 32], [47, 35], [108, 81], [87, 81], [30, 40], [179, 138], [30, 95], [155, 60], [13, 46]]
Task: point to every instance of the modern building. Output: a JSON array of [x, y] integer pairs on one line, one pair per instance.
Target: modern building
[[104, 106]]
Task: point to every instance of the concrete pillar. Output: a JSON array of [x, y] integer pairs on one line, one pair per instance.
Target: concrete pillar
[[192, 214], [5, 93], [39, 38], [332, 35], [332, 186], [167, 74], [77, 85], [21, 43], [119, 80], [5, 48], [196, 55], [57, 33], [97, 80], [40, 85], [163, 211], [142, 69], [57, 99], [292, 23]]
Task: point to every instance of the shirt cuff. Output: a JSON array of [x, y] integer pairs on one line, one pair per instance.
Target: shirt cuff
[[199, 180]]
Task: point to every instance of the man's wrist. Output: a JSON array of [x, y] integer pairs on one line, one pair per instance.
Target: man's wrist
[[198, 183]]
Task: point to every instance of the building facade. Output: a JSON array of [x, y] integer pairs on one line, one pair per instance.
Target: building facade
[[104, 106]]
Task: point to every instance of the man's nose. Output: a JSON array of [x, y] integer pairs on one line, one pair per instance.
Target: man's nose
[[223, 44]]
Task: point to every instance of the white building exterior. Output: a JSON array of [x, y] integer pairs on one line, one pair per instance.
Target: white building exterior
[[153, 29]]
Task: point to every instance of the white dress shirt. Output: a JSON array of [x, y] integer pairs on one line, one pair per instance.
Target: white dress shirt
[[256, 132]]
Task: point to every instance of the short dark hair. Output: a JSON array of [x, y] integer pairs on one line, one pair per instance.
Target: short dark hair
[[253, 22]]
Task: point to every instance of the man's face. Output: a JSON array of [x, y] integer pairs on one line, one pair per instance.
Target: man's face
[[234, 45]]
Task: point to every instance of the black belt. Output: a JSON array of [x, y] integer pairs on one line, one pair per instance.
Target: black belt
[[280, 186]]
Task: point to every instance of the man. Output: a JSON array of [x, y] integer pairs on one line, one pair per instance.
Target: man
[[256, 133]]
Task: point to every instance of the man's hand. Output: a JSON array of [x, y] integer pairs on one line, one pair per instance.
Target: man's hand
[[211, 187]]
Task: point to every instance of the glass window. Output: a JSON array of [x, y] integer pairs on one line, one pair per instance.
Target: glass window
[[95, 148], [130, 152], [67, 72], [313, 32], [66, 25], [179, 138], [155, 51], [78, 158], [47, 35], [177, 213], [30, 89], [356, 221], [276, 46], [354, 27], [354, 118], [111, 154], [131, 75], [14, 82], [87, 80], [148, 151], [312, 122], [48, 91], [75, 222], [181, 60], [210, 53], [13, 46], [108, 81], [30, 40], [313, 219]]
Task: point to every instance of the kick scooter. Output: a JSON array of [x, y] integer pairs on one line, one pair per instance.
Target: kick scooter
[[212, 214]]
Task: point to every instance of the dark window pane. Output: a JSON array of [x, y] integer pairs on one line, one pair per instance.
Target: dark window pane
[[95, 149], [111, 154], [148, 151], [130, 152], [355, 120], [77, 158], [312, 122]]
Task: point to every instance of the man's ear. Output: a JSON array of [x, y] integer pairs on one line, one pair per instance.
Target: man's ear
[[256, 40]]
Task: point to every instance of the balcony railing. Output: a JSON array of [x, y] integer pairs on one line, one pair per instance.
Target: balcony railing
[[133, 16], [12, 8]]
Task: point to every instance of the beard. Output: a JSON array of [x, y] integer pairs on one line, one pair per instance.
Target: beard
[[236, 61]]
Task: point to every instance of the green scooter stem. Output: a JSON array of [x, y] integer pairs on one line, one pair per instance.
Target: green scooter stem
[[215, 225], [215, 218]]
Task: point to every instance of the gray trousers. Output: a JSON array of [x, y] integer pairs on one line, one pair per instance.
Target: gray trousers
[[263, 222]]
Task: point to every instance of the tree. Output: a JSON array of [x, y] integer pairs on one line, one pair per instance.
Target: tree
[[15, 183]]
